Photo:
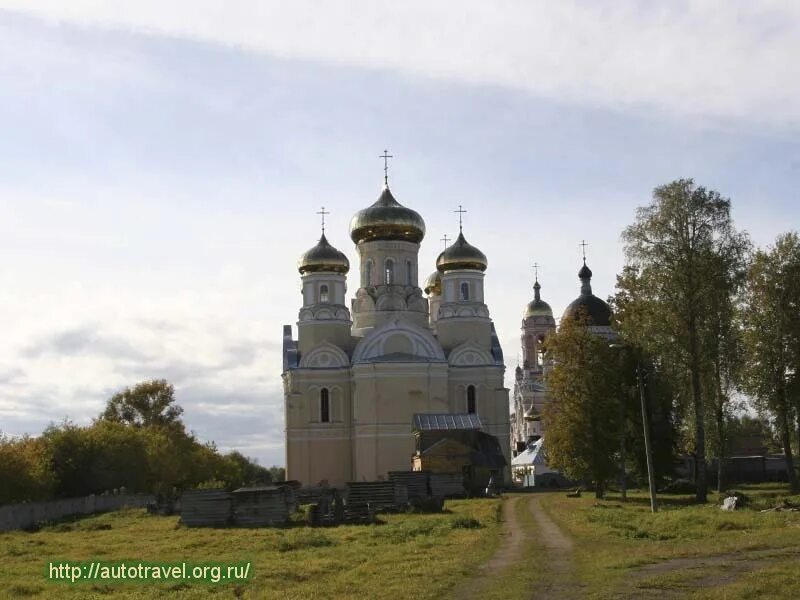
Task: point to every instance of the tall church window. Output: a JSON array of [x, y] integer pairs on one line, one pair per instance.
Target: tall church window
[[324, 406], [389, 274], [368, 274], [464, 290], [323, 293], [408, 272], [471, 399]]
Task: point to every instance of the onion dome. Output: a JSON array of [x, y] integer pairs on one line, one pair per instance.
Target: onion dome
[[323, 258], [597, 311], [461, 255], [537, 307], [387, 219], [433, 284]]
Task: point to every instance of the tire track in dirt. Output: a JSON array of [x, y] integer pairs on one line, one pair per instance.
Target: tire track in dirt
[[556, 561], [509, 552]]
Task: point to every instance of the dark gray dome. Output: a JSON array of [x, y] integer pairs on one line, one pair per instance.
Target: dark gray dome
[[597, 311], [587, 304]]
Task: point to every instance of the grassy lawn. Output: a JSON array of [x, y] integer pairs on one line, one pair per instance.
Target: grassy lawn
[[408, 555], [711, 553]]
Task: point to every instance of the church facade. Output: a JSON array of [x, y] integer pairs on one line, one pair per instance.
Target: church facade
[[354, 377]]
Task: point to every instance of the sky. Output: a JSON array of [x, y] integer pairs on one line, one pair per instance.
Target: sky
[[161, 164]]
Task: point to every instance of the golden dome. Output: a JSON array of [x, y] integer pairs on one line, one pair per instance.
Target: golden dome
[[433, 284], [461, 255], [323, 258], [387, 219], [537, 307]]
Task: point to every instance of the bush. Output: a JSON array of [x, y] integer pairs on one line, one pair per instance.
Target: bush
[[465, 523]]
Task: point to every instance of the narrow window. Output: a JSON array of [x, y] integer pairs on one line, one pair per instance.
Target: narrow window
[[408, 272], [368, 274], [464, 290], [324, 406], [323, 293], [389, 278], [471, 399]]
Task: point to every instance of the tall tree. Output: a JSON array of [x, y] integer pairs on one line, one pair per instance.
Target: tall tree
[[772, 339], [582, 420], [679, 243], [147, 404]]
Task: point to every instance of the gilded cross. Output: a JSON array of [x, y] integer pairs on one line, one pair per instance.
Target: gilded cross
[[460, 212], [536, 270], [323, 212], [386, 156]]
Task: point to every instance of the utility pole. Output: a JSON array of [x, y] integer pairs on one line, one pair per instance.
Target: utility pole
[[651, 478]]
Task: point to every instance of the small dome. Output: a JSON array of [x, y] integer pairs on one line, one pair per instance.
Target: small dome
[[387, 219], [597, 311], [433, 284], [461, 255], [537, 307], [530, 415], [323, 258]]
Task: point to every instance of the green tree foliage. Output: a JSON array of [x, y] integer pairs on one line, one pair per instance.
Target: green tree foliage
[[25, 471], [582, 419], [138, 444], [771, 319], [147, 404], [687, 258]]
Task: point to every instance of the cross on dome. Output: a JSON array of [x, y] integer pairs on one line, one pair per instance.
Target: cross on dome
[[461, 213], [583, 245], [386, 156], [323, 212], [445, 239]]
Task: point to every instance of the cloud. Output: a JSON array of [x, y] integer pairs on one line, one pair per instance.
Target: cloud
[[84, 341], [706, 59]]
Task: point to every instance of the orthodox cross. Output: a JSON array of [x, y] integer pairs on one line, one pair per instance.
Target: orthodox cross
[[445, 239], [323, 212], [460, 212], [536, 270], [583, 245], [386, 156]]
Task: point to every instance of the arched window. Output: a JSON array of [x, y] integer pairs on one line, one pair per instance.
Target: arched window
[[408, 272], [368, 274], [324, 406], [389, 275], [464, 290], [471, 399], [323, 293]]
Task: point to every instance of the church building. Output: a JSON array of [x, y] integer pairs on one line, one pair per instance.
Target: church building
[[355, 378], [530, 390]]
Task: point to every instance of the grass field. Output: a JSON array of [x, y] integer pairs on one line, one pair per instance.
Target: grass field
[[618, 551], [684, 550], [407, 556]]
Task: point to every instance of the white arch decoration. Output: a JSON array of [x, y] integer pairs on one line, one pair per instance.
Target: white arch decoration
[[423, 344], [469, 354], [324, 356]]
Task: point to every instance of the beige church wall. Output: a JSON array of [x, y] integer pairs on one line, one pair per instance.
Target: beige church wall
[[386, 397], [302, 388], [314, 455]]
